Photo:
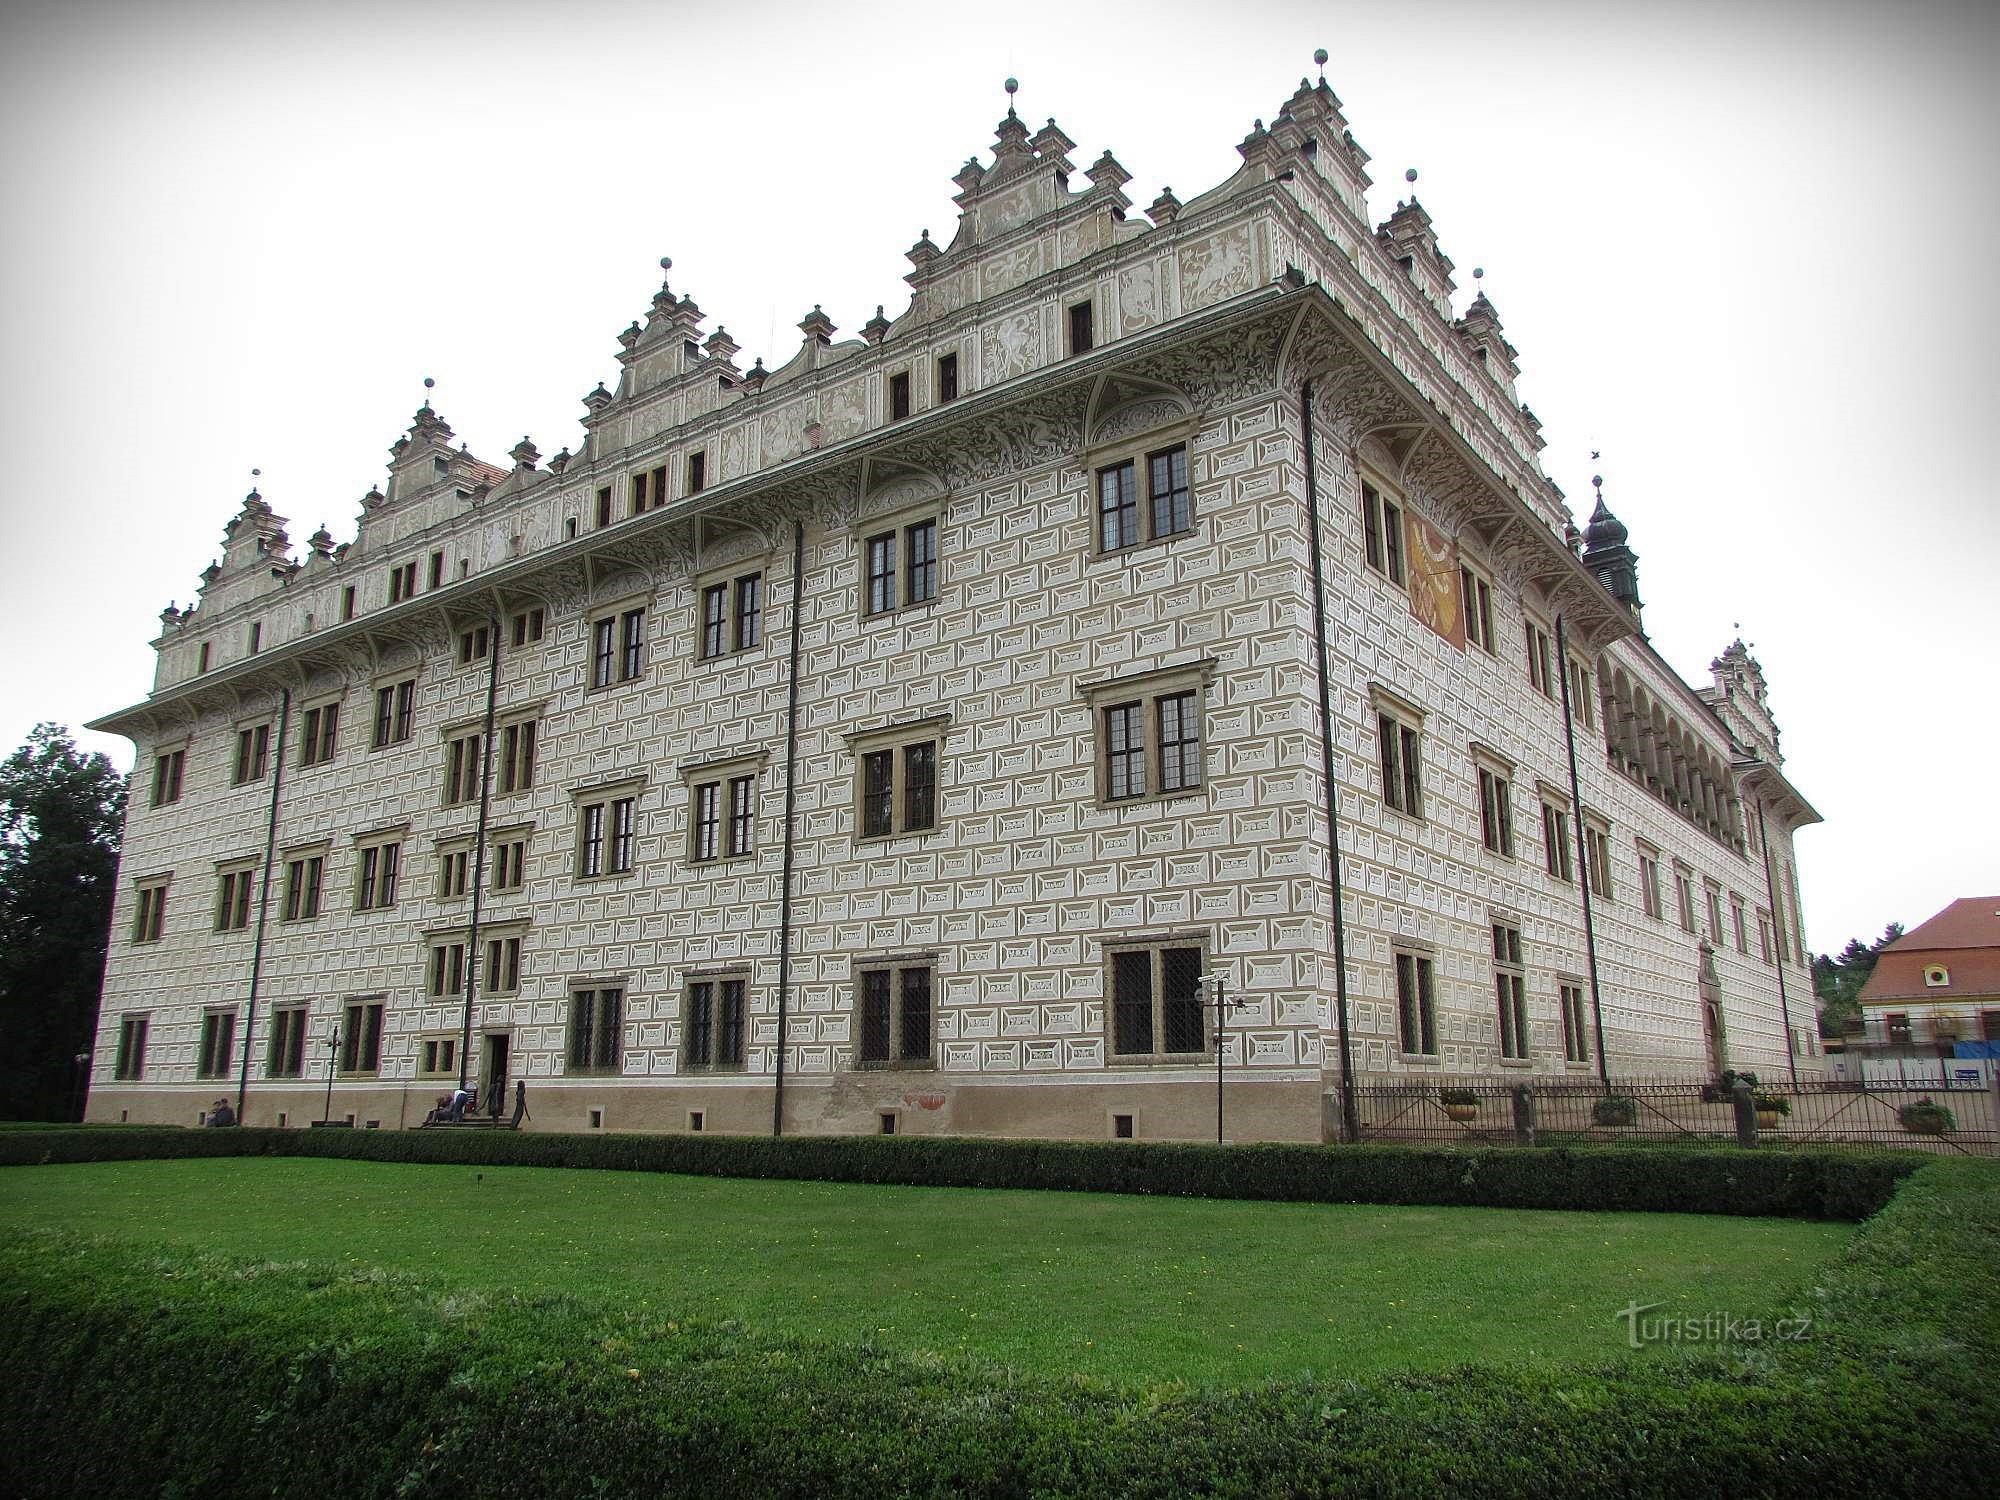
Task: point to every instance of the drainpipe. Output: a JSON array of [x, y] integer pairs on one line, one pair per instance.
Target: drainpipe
[[264, 898], [1777, 931], [1350, 1118], [791, 804], [479, 856], [1582, 856]]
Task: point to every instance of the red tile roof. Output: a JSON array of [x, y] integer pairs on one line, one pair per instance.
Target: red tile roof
[[1963, 939]]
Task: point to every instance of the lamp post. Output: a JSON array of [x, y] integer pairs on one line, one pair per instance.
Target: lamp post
[[1222, 1004], [332, 1050]]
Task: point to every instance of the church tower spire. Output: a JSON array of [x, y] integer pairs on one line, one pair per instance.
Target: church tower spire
[[1606, 554]]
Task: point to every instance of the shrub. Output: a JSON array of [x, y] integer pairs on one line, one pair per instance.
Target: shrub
[[1615, 1109], [131, 1373], [1670, 1179], [1450, 1097], [1772, 1104], [1927, 1117]]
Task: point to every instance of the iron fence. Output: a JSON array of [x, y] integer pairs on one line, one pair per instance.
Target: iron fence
[[1950, 1119]]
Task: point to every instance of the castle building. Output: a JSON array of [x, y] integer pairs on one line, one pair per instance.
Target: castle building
[[953, 729]]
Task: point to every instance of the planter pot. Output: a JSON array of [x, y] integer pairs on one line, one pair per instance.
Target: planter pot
[[1767, 1119], [1924, 1127], [1463, 1113]]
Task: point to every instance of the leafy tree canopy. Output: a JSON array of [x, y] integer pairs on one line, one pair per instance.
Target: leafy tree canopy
[[1837, 981], [61, 814]]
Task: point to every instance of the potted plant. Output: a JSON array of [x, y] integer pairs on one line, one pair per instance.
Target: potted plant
[[1927, 1117], [1616, 1109], [1721, 1091], [1461, 1104], [1770, 1109]]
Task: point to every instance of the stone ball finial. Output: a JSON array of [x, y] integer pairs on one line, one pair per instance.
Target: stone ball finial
[[1410, 174], [666, 262], [1319, 56], [1013, 87]]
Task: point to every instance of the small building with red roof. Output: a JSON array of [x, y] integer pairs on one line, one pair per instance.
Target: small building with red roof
[[1932, 1006]]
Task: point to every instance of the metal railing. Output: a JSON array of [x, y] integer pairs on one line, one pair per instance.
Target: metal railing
[[1952, 1119]]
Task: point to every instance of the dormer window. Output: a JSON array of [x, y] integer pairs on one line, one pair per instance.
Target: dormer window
[[1937, 976]]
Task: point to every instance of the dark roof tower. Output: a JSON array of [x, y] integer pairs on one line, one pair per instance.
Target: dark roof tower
[[1605, 553]]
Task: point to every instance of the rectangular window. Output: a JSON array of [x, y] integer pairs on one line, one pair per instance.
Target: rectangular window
[[1150, 745], [1541, 661], [232, 902], [714, 619], [1739, 923], [1402, 760], [617, 647], [527, 627], [517, 757], [218, 1042], [1157, 1009], [899, 395], [201, 663], [897, 788], [705, 822], [596, 1030], [1510, 989], [1597, 860], [604, 837], [361, 1039], [474, 644], [437, 570], [503, 965], [697, 472], [131, 1063], [1169, 508], [167, 777], [712, 1026], [380, 866], [1684, 898], [149, 917], [1576, 1040], [1496, 811], [881, 594], [604, 506], [510, 860], [749, 611], [1382, 533], [402, 582], [1649, 881], [288, 1042], [947, 378], [394, 712], [1714, 895], [1478, 609], [447, 980], [305, 875], [347, 604], [463, 765], [454, 871], [439, 1056], [253, 748], [742, 815], [1557, 856], [649, 490], [322, 729], [1582, 695], [894, 1002], [1081, 331], [1416, 1005]]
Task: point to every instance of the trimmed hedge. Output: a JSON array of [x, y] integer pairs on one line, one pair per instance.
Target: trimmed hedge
[[130, 1373], [1661, 1179]]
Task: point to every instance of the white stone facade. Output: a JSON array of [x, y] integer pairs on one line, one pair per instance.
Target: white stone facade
[[1221, 328]]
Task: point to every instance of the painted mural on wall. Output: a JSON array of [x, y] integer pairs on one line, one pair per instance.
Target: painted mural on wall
[[1434, 579]]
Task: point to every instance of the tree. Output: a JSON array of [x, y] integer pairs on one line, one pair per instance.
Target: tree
[[1837, 981], [61, 815]]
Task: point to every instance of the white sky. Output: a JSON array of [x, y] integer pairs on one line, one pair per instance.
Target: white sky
[[1744, 249]]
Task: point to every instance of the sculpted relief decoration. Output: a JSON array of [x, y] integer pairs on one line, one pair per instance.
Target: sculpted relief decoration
[[1139, 296], [1010, 346]]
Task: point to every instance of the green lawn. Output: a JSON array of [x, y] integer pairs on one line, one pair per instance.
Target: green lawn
[[1121, 1288]]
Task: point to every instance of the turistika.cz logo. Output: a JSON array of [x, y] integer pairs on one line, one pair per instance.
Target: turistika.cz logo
[[1707, 1328]]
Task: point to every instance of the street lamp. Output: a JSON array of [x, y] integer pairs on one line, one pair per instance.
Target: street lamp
[[332, 1050], [1222, 1005]]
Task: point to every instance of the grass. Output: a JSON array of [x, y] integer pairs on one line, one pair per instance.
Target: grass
[[1118, 1288]]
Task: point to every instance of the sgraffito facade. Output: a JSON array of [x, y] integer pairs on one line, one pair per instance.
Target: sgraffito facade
[[946, 717]]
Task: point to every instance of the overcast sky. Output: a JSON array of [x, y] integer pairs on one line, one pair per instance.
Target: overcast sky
[[1745, 249]]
